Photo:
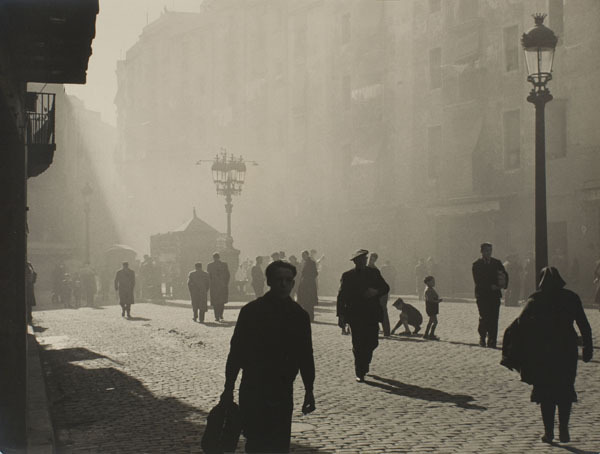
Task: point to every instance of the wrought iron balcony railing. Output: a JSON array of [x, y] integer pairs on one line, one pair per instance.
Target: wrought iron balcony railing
[[40, 133]]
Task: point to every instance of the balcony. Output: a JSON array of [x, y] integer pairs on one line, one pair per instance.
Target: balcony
[[40, 138]]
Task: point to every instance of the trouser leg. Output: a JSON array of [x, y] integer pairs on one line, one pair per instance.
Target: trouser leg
[[201, 315], [564, 413], [494, 314], [548, 410], [386, 320], [482, 327], [364, 342]]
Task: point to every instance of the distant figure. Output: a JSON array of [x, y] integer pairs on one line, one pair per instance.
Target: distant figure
[[219, 285], [358, 305], [240, 279], [198, 285], [420, 273], [258, 277], [307, 289], [388, 272], [275, 257], [124, 284], [385, 320], [58, 274], [270, 343], [489, 277], [409, 315], [542, 345], [88, 284], [282, 256], [513, 291], [77, 290], [66, 290], [30, 279], [432, 308], [528, 281], [294, 262]]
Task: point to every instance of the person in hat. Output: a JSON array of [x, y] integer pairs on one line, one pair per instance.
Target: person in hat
[[487, 271], [198, 285], [358, 305], [124, 284], [218, 274], [307, 289], [271, 343]]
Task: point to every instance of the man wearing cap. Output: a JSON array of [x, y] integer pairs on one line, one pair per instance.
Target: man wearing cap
[[358, 305], [489, 276], [218, 274], [124, 284]]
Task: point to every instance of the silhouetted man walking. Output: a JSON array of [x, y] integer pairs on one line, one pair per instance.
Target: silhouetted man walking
[[198, 284], [489, 276], [258, 278], [358, 305], [124, 284], [270, 343], [307, 289], [218, 273]]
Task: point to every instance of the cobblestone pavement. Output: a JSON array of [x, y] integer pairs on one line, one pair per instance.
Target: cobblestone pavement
[[146, 385]]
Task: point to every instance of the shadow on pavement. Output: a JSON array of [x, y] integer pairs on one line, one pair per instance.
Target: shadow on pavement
[[396, 338], [468, 344], [38, 329], [138, 319], [315, 322], [574, 450], [107, 410], [430, 394], [219, 324]]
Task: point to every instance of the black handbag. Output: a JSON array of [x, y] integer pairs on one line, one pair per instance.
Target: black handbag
[[223, 429]]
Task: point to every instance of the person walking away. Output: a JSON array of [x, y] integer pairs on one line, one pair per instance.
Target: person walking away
[[218, 274], [198, 284], [77, 290], [542, 345], [385, 320], [307, 289], [294, 262], [358, 305], [432, 308], [124, 285], [420, 273], [271, 342], [258, 278], [30, 280], [409, 315], [488, 273], [66, 290]]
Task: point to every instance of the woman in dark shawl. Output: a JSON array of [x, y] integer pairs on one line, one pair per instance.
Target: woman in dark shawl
[[549, 357]]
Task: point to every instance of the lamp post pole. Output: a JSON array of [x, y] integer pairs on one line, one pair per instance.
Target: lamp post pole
[[539, 44]]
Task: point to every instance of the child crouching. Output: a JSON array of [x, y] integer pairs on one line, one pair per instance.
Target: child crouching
[[409, 315]]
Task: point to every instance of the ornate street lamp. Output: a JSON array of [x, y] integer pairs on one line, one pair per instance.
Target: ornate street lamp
[[539, 44], [229, 174], [87, 192]]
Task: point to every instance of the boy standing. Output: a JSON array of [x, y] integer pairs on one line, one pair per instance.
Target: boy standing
[[409, 315], [432, 307]]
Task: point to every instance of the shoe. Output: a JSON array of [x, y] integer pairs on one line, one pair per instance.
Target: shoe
[[433, 337], [195, 319], [564, 436], [123, 314], [482, 342], [405, 333], [416, 331], [547, 438], [491, 345], [360, 379]]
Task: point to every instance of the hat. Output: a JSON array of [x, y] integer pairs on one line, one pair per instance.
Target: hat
[[358, 253]]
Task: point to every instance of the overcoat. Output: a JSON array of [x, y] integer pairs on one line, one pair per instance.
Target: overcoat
[[198, 285], [218, 273]]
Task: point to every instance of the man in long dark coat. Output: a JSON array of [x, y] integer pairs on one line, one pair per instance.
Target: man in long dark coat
[[490, 277], [124, 284], [258, 277], [358, 305], [218, 274], [271, 343], [198, 284], [307, 289]]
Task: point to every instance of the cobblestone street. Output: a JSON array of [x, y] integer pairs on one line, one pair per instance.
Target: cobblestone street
[[147, 384]]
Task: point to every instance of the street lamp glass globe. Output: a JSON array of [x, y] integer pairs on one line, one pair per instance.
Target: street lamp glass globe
[[539, 44]]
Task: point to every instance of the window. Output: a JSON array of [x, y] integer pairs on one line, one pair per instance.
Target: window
[[345, 28], [556, 129], [512, 139], [434, 149], [346, 92], [435, 68], [511, 48], [435, 6], [555, 17]]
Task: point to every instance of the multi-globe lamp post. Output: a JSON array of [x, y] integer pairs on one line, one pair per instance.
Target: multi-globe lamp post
[[229, 174], [539, 44]]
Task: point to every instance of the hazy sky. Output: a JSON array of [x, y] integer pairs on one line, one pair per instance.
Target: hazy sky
[[118, 26]]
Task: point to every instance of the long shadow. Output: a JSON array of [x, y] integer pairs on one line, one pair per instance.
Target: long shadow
[[38, 329], [573, 449], [403, 339], [468, 344], [417, 392], [107, 410], [138, 319], [219, 324]]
